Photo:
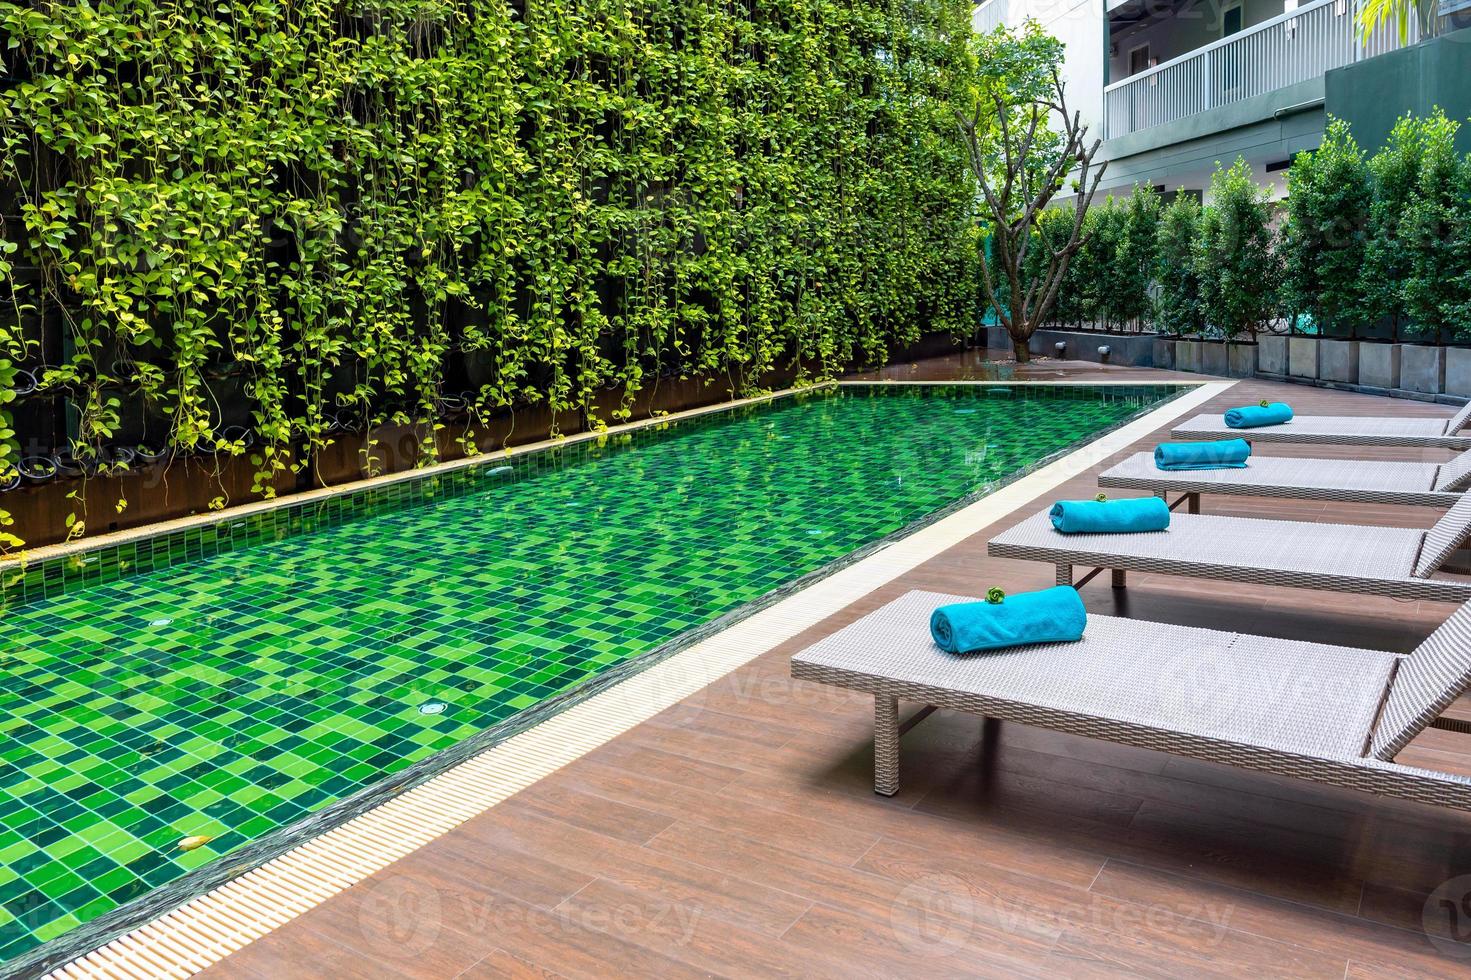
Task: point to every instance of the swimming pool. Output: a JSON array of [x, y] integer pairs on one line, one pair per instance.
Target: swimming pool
[[229, 683]]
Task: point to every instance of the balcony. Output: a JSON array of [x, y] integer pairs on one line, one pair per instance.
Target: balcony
[[1294, 46]]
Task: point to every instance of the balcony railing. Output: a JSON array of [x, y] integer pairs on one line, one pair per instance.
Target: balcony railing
[[1293, 47]]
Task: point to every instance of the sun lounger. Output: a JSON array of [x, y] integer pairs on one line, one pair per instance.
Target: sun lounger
[[1341, 430], [1386, 561], [1325, 713], [1353, 480]]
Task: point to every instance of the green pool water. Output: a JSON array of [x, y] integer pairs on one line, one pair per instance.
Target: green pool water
[[229, 682]]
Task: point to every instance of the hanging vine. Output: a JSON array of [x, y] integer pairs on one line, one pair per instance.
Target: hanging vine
[[263, 225]]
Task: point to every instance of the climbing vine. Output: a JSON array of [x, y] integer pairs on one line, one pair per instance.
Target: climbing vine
[[261, 225]]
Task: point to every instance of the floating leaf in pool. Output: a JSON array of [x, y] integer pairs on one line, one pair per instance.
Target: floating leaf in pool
[[193, 843]]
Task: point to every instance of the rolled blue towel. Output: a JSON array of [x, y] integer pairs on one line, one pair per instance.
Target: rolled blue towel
[[1050, 616], [1123, 516], [1251, 416], [1222, 454]]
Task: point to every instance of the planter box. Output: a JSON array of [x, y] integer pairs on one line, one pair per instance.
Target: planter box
[[1214, 359], [1422, 369], [1379, 365], [1271, 355], [1302, 357], [1338, 360], [1164, 352], [1242, 360], [1458, 371], [1187, 355]]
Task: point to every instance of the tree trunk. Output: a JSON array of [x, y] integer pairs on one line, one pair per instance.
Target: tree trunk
[[1022, 352]]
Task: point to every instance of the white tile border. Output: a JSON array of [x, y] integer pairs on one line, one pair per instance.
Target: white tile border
[[209, 928]]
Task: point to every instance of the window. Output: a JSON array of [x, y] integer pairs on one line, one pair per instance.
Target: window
[[1139, 59], [1231, 21], [1167, 197]]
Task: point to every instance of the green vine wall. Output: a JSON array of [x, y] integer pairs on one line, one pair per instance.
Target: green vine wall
[[333, 211]]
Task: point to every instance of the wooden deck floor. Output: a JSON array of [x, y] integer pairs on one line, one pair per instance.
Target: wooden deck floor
[[737, 833]]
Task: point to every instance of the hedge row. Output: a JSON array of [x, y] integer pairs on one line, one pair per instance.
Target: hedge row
[[1361, 241]]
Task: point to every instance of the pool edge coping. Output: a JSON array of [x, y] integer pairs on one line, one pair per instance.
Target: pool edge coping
[[206, 928]]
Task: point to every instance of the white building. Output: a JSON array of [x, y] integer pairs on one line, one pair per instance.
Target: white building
[[1175, 86]]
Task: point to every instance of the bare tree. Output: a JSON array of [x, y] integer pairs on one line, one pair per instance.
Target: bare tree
[[1020, 162]]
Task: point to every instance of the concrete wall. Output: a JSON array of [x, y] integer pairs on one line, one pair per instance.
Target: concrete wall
[[1372, 94], [1132, 350], [1262, 129]]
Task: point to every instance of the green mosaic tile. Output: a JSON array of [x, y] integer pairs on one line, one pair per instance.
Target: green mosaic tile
[[228, 681]]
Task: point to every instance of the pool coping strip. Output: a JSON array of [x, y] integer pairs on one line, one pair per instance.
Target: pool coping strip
[[256, 900]]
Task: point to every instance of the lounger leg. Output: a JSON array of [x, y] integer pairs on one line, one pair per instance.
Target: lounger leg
[[1118, 578], [885, 745], [1064, 575], [1192, 503]]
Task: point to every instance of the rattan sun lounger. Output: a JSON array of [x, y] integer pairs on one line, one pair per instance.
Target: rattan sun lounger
[[1362, 481], [1324, 713], [1387, 561], [1346, 430]]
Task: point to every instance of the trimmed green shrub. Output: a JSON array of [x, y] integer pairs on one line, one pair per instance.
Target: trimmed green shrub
[[1129, 300], [1325, 236], [1433, 232], [1396, 172], [1115, 266], [1236, 263], [1054, 226], [1098, 271], [1177, 305]]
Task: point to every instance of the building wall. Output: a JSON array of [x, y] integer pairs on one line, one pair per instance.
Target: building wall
[[1079, 25], [1265, 130], [1372, 94]]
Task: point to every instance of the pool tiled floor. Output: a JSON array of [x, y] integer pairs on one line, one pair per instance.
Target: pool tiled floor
[[228, 697]]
